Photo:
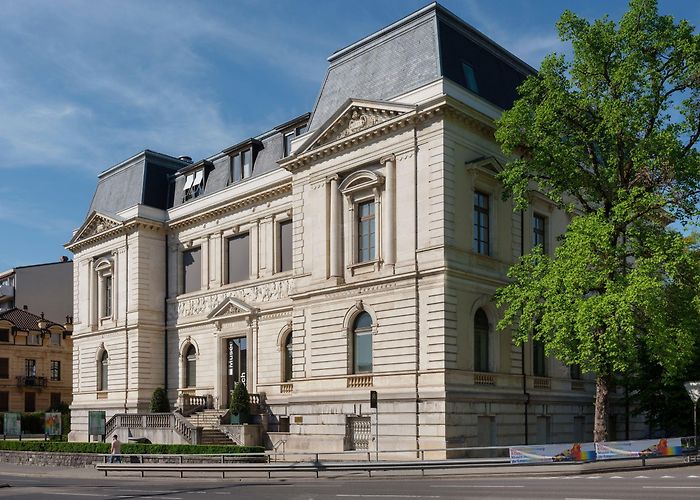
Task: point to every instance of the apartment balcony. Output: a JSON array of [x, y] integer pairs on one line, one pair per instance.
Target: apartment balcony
[[31, 381], [6, 292]]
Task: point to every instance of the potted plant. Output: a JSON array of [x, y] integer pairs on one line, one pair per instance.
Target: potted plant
[[240, 405], [159, 401]]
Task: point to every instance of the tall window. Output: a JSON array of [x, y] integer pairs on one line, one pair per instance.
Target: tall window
[[362, 344], [33, 338], [239, 258], [55, 338], [288, 358], [107, 309], [481, 341], [194, 185], [103, 372], [4, 334], [55, 400], [284, 250], [4, 401], [29, 401], [481, 223], [191, 367], [4, 367], [365, 231], [30, 367], [538, 231], [539, 360], [55, 370], [192, 270]]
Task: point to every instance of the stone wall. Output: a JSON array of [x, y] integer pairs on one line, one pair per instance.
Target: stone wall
[[42, 459]]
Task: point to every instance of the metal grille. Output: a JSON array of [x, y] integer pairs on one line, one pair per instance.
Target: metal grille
[[357, 433]]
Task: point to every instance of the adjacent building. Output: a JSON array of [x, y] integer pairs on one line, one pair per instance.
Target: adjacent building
[[35, 362], [351, 249], [41, 288]]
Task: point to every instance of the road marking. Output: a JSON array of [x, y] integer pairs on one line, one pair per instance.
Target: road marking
[[616, 477], [666, 477], [694, 477], [81, 494], [478, 486], [593, 477], [576, 498], [671, 487], [641, 477], [388, 496]]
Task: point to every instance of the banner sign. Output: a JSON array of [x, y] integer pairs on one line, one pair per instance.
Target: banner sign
[[96, 423], [646, 448], [568, 452], [52, 424], [13, 424]]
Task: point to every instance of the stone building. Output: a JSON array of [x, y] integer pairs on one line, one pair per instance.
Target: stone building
[[35, 362], [355, 248]]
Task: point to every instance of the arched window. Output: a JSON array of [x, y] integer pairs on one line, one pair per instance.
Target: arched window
[[103, 372], [288, 358], [362, 343], [481, 341], [191, 367]]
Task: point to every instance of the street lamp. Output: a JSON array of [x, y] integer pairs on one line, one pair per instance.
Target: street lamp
[[693, 389]]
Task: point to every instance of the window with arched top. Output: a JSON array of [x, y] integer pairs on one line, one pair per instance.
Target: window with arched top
[[481, 341], [362, 343], [103, 372], [191, 367], [288, 358]]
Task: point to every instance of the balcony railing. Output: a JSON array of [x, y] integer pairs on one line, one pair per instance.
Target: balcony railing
[[31, 381]]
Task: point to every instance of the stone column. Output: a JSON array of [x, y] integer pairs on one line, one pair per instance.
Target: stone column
[[389, 206], [335, 250]]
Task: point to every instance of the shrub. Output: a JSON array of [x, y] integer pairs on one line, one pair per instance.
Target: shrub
[[159, 401], [33, 423], [240, 403], [127, 448]]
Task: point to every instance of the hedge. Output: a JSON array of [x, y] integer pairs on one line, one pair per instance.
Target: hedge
[[127, 448]]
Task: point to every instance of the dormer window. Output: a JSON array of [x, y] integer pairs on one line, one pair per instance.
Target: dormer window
[[289, 136], [241, 165], [194, 185]]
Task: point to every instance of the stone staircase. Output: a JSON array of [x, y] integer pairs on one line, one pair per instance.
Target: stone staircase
[[209, 420]]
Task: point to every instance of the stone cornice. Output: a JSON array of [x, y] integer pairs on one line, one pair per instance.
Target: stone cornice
[[113, 232], [220, 210]]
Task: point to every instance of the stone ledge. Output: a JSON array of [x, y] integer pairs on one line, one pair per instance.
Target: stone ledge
[[44, 458]]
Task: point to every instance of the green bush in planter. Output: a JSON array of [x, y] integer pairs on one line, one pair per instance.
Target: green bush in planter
[[240, 405], [159, 401]]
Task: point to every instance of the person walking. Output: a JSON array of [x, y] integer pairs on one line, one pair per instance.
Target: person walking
[[116, 450]]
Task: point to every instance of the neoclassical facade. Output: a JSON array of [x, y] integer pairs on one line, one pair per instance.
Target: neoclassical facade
[[351, 249]]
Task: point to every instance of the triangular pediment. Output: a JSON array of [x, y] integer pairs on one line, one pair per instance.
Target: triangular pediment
[[354, 117], [230, 307], [95, 224]]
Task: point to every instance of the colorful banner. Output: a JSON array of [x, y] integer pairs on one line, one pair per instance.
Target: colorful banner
[[646, 448], [96, 423], [13, 424], [568, 452], [52, 424]]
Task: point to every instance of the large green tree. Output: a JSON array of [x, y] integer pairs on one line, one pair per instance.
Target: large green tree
[[610, 134]]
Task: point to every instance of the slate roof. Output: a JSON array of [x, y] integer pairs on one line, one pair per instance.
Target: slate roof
[[24, 320], [420, 48]]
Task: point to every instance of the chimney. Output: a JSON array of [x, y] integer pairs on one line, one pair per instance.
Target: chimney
[[64, 258], [24, 307], [188, 159]]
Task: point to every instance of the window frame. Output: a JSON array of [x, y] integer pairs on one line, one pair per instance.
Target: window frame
[[29, 367], [288, 357], [477, 211], [482, 343], [183, 253], [227, 241], [539, 234], [103, 372], [7, 367], [539, 359], [9, 335], [237, 169], [279, 248], [371, 223], [55, 370], [357, 333], [195, 188], [190, 358], [105, 272]]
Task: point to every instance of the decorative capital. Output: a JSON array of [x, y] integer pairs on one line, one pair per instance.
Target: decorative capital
[[390, 157]]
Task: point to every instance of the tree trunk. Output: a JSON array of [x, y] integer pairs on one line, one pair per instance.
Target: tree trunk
[[600, 426]]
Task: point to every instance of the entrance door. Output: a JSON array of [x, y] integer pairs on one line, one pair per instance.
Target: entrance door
[[236, 365]]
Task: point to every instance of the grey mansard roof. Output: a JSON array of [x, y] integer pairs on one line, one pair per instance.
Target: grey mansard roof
[[427, 45]]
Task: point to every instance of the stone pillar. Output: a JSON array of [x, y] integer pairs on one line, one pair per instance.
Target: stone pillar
[[389, 207], [335, 250]]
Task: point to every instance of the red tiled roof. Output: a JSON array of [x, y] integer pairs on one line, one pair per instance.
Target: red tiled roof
[[23, 320]]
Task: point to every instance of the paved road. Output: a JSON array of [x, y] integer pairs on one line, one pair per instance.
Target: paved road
[[36, 483]]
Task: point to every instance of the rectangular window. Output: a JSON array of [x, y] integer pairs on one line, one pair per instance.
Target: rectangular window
[[30, 401], [192, 267], [544, 430], [241, 165], [55, 370], [239, 258], [539, 360], [538, 232], [55, 338], [4, 367], [4, 401], [288, 143], [481, 223], [470, 77], [365, 231], [4, 334], [363, 353], [284, 249], [30, 367], [107, 309], [236, 172], [246, 162], [33, 338], [486, 431], [55, 400]]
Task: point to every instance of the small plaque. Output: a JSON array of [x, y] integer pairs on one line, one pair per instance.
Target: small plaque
[[298, 419]]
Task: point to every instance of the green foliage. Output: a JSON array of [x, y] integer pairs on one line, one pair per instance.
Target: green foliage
[[61, 407], [240, 403], [127, 448], [33, 423], [611, 135], [159, 401]]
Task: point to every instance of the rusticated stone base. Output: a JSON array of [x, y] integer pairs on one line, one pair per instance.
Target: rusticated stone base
[[50, 458]]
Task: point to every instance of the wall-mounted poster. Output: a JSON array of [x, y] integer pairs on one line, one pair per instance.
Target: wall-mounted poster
[[13, 424], [96, 423], [52, 424]]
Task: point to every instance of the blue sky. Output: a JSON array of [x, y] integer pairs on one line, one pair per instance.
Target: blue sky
[[85, 84]]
